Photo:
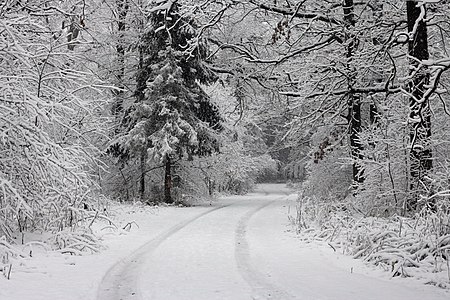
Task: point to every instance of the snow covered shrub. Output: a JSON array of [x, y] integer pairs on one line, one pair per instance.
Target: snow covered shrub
[[7, 252], [439, 196], [328, 175], [369, 223], [416, 246], [387, 188], [238, 171], [47, 103], [384, 190], [231, 171], [76, 243], [120, 182]]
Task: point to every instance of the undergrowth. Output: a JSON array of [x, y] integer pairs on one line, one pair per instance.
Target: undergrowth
[[417, 246], [84, 236]]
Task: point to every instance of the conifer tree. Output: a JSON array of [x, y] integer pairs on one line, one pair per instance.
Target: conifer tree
[[172, 117]]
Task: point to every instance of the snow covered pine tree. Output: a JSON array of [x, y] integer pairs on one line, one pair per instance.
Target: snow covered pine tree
[[172, 117]]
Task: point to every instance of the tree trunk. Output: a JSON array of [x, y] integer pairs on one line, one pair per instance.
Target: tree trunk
[[419, 115], [377, 9], [354, 104], [211, 184], [168, 180], [353, 100], [143, 163], [122, 11], [140, 96]]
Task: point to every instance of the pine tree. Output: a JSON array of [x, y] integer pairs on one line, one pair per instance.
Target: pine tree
[[172, 117]]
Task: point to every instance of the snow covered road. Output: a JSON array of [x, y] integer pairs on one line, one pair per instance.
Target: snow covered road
[[200, 258], [241, 249]]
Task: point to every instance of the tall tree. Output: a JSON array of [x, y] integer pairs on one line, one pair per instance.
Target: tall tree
[[172, 117], [121, 12], [353, 100], [420, 115]]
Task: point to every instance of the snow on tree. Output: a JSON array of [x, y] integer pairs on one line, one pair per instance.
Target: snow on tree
[[352, 68], [49, 122], [172, 117]]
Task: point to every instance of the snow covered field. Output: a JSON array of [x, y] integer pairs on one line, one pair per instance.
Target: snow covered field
[[240, 247]]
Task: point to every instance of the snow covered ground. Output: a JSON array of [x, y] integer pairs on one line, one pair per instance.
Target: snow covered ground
[[240, 247]]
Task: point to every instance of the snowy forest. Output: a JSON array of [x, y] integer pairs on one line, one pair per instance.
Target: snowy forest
[[176, 102]]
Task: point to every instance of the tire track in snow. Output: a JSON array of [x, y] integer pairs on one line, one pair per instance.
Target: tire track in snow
[[262, 288], [121, 280]]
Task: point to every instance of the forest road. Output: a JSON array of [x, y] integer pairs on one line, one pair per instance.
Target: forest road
[[205, 257], [241, 248]]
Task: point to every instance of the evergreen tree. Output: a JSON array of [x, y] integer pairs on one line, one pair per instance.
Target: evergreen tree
[[172, 116]]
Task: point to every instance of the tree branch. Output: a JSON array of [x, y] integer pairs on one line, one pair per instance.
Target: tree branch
[[362, 90], [295, 13]]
